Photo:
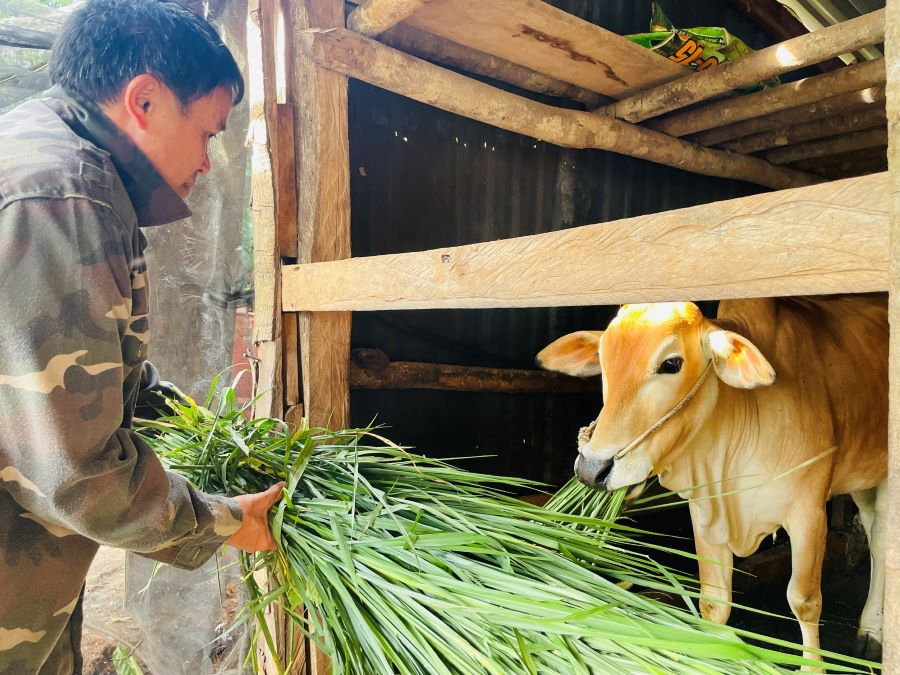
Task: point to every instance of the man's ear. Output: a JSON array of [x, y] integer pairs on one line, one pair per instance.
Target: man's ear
[[140, 97], [737, 360], [575, 354]]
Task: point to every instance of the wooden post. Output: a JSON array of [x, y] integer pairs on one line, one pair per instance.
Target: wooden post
[[266, 257], [375, 63], [891, 637], [376, 16], [808, 90], [323, 188], [834, 105], [775, 60]]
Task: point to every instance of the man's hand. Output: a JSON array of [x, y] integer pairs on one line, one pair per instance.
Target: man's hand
[[254, 534]]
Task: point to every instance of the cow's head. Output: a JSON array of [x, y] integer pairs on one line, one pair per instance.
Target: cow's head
[[654, 359]]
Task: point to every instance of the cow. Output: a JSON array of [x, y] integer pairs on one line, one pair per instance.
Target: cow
[[757, 418]]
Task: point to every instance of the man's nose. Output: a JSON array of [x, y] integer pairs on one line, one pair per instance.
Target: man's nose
[[205, 166]]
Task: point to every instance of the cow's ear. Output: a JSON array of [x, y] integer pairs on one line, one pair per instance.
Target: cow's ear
[[573, 354], [737, 360]]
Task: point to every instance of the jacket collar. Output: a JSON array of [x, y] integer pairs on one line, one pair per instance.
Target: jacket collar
[[154, 201]]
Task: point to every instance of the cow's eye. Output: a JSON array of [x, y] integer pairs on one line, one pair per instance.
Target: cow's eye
[[670, 366]]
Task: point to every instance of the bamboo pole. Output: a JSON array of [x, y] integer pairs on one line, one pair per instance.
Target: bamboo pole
[[834, 105], [891, 627], [372, 62], [781, 58], [848, 164], [446, 52], [808, 90], [807, 131], [824, 147], [376, 16]]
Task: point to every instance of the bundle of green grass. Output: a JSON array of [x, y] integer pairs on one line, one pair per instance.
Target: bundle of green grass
[[396, 563]]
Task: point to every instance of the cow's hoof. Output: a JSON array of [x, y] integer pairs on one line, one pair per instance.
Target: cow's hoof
[[867, 647]]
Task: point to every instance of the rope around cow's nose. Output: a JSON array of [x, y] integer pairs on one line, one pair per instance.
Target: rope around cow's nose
[[665, 418], [585, 433]]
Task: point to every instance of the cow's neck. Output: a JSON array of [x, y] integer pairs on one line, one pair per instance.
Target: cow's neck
[[711, 471]]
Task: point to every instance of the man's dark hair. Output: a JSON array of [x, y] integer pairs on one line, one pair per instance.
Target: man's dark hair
[[107, 43]]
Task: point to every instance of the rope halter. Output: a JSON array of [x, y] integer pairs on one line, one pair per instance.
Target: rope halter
[[585, 431]]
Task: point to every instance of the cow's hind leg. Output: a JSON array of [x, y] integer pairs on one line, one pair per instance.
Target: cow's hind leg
[[807, 530], [872, 504]]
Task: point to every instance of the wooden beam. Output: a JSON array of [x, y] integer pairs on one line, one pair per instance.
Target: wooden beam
[[809, 130], [356, 56], [24, 78], [446, 52], [548, 40], [858, 140], [848, 164], [775, 60], [323, 189], [371, 369], [829, 238], [266, 258], [808, 90], [891, 626], [778, 21], [834, 105], [376, 16]]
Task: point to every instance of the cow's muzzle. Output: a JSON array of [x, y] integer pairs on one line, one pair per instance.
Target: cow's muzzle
[[593, 471]]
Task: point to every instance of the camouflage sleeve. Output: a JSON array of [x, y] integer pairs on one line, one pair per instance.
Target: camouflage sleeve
[[69, 338]]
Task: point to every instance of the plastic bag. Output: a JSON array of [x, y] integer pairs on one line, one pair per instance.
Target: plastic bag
[[697, 48]]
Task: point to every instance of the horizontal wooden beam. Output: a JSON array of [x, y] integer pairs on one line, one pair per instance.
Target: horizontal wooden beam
[[808, 90], [353, 55], [549, 40], [779, 22], [446, 52], [376, 16], [373, 370], [810, 130], [847, 164], [829, 238], [827, 107], [824, 147], [775, 60]]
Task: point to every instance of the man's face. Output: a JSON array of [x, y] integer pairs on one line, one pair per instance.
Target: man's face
[[176, 139]]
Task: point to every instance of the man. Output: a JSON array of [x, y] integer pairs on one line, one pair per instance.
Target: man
[[140, 87]]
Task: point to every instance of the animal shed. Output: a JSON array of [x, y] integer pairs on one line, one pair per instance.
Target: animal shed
[[384, 106]]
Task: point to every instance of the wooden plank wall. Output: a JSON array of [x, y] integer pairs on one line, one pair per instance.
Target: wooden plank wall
[[891, 637]]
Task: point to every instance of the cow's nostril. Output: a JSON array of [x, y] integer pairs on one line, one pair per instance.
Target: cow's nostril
[[592, 471]]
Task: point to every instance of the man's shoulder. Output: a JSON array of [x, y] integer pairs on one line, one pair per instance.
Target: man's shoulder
[[41, 157]]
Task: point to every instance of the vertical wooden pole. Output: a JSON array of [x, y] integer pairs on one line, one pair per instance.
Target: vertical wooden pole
[[323, 190], [269, 193], [891, 638]]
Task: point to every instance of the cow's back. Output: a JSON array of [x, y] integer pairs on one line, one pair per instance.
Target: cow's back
[[830, 355]]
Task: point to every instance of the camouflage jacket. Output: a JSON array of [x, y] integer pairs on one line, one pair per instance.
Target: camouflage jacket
[[73, 338]]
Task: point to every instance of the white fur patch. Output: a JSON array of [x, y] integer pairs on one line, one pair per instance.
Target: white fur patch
[[55, 530]]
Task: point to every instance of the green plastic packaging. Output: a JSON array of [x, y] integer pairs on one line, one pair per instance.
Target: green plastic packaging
[[696, 48]]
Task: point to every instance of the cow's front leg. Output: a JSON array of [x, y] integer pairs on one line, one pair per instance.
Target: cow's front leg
[[716, 567], [807, 529]]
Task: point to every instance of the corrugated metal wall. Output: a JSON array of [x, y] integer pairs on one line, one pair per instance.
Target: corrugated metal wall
[[422, 178]]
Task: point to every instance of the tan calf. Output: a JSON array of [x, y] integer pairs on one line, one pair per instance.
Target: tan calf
[[758, 418]]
